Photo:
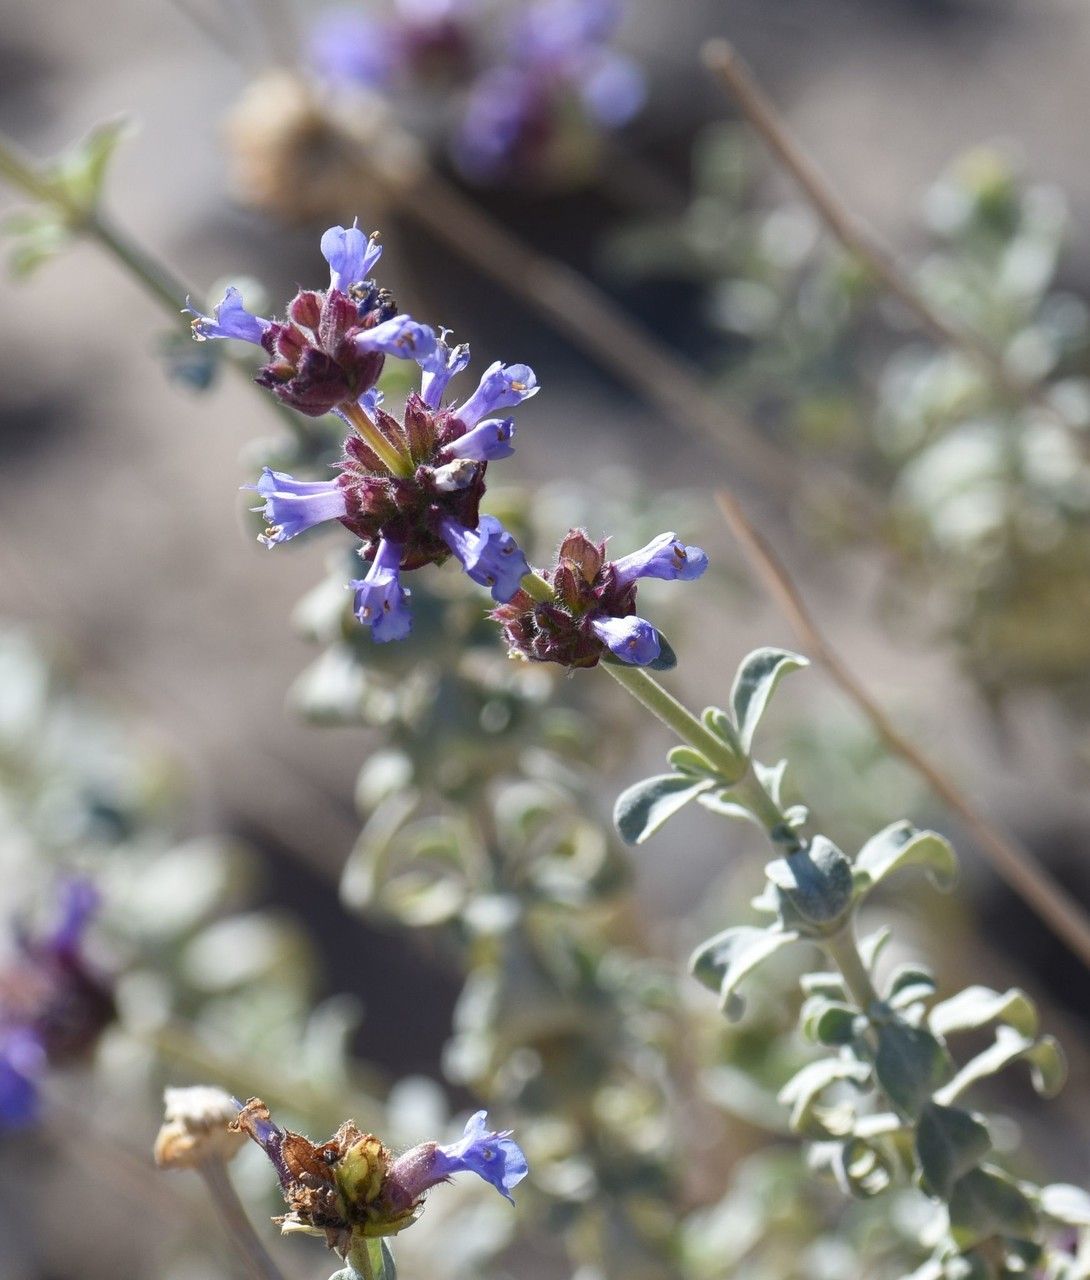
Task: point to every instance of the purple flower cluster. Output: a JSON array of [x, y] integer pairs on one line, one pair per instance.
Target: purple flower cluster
[[409, 489], [552, 69], [593, 604], [52, 1006]]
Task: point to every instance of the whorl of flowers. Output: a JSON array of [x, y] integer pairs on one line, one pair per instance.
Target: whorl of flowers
[[410, 487], [528, 81], [592, 606]]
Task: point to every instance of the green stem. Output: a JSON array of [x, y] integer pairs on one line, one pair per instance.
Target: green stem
[[157, 280], [361, 1259], [843, 950], [240, 1231], [665, 707], [393, 459]]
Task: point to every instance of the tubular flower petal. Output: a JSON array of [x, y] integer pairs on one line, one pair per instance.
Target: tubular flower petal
[[631, 639], [663, 557], [400, 336], [350, 255], [501, 387], [439, 366], [229, 319], [487, 441], [291, 506], [381, 602], [489, 554], [495, 1157], [22, 1060]]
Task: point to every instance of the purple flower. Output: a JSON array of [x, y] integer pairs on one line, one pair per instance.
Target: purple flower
[[350, 255], [487, 441], [495, 1157], [507, 120], [631, 639], [52, 1006], [551, 32], [229, 319], [22, 1060], [663, 557], [400, 336], [349, 47], [381, 602], [489, 554], [439, 366], [612, 88], [291, 506], [370, 401], [501, 387]]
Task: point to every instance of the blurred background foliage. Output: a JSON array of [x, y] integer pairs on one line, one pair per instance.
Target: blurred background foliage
[[418, 905]]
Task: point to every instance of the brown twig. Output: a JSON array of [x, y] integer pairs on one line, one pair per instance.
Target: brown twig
[[723, 60], [1016, 865]]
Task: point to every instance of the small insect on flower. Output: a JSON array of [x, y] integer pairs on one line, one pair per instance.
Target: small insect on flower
[[591, 613], [352, 1185]]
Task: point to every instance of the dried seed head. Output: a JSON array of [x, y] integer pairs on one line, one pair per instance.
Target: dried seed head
[[195, 1128]]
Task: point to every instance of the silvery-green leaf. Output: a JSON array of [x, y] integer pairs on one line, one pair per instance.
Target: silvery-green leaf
[[723, 961], [977, 1007], [720, 802], [986, 1203], [871, 947], [81, 170], [907, 984], [359, 880], [1044, 1057], [949, 1142], [816, 881], [1067, 1204], [757, 678], [910, 1064], [829, 1022], [716, 721], [643, 808], [771, 776], [900, 846], [830, 985], [686, 760], [803, 1091]]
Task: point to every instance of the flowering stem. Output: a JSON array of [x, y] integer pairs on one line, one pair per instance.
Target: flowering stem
[[359, 1257], [156, 280], [649, 693], [1063, 914], [251, 1251], [394, 460]]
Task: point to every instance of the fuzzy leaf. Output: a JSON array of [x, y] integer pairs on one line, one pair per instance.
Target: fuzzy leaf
[[986, 1203], [816, 883], [716, 721], [949, 1142], [80, 171], [686, 760], [723, 961], [803, 1091], [829, 1022], [977, 1007], [910, 1064], [907, 984], [1048, 1070], [755, 683], [872, 946], [900, 846], [643, 808]]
